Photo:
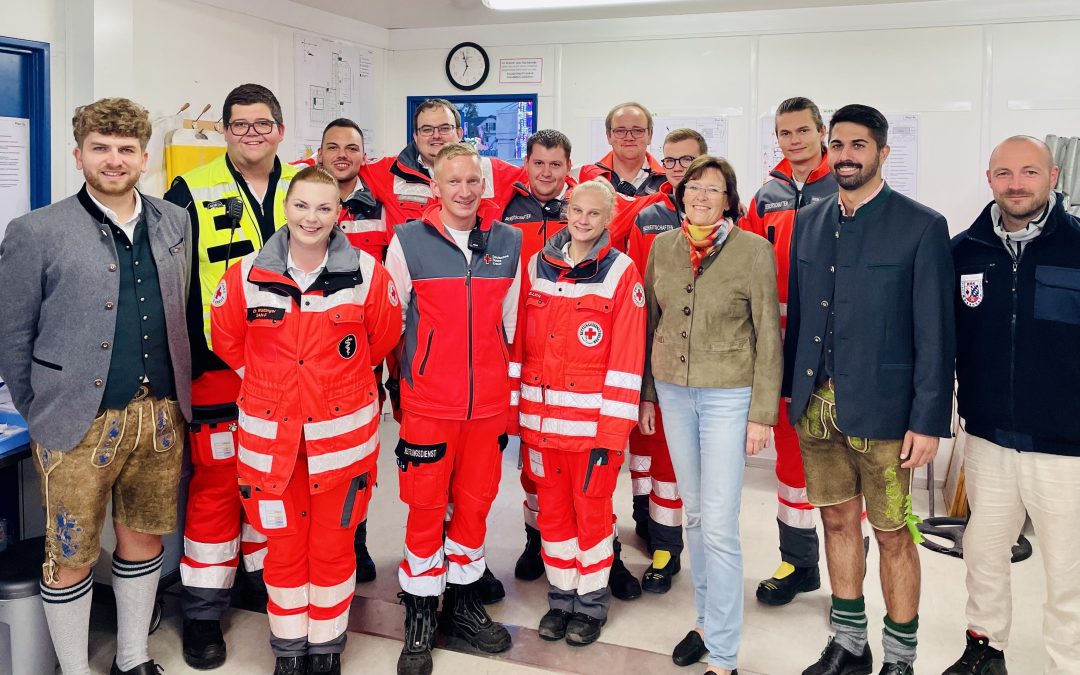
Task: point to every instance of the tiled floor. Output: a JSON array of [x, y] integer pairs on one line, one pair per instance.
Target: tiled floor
[[639, 635]]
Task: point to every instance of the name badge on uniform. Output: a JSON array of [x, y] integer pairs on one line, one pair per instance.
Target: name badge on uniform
[[272, 514], [971, 289]]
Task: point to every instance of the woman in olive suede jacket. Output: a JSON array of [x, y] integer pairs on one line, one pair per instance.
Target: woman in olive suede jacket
[[713, 362]]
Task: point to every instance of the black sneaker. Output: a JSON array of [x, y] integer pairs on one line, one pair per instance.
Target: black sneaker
[[835, 660], [291, 665], [365, 566], [787, 582], [530, 566], [489, 588], [464, 616], [204, 645], [979, 658], [898, 668], [623, 585], [420, 621], [583, 630], [553, 624], [658, 579], [324, 664], [147, 668], [690, 650]]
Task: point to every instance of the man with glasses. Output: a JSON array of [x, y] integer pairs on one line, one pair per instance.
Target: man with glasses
[[629, 166], [402, 183], [236, 203], [800, 179], [657, 505]]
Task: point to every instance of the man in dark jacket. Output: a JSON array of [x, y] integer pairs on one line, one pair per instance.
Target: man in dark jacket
[[1018, 326], [869, 368]]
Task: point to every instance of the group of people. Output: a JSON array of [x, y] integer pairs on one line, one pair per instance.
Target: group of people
[[633, 311]]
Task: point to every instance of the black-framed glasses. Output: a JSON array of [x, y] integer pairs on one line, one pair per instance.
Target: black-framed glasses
[[670, 162], [443, 129], [633, 132], [241, 128]]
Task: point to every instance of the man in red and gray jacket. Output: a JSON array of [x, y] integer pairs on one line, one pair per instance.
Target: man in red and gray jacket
[[801, 178], [458, 276]]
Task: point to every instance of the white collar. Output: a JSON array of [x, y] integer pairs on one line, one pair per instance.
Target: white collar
[[111, 215]]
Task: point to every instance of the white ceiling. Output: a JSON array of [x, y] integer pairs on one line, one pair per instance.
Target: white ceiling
[[438, 13]]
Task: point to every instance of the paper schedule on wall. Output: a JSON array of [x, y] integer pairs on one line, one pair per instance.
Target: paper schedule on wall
[[334, 79], [713, 129], [901, 170], [14, 169]]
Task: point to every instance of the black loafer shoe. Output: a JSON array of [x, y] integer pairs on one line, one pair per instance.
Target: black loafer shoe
[[835, 660], [203, 644], [553, 624], [583, 630], [690, 650], [148, 668]]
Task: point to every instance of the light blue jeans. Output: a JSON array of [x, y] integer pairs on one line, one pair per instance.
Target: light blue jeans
[[706, 435]]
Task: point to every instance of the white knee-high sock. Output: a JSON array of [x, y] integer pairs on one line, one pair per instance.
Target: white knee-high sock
[[68, 612], [135, 586]]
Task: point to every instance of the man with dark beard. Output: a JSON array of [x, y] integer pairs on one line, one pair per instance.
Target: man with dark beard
[[868, 365]]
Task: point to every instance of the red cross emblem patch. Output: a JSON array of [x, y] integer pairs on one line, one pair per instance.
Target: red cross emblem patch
[[590, 333], [220, 294], [639, 295], [391, 292]]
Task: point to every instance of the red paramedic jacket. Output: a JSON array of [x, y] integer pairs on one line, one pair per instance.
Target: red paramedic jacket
[[305, 359], [581, 346]]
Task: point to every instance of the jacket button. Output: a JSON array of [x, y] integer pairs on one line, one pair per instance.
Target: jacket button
[[686, 311], [112, 267], [824, 303], [817, 338], [104, 345], [832, 268], [809, 372], [682, 358], [689, 288], [109, 305], [684, 333], [98, 382]]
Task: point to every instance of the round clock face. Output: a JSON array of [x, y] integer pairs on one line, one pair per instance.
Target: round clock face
[[467, 66]]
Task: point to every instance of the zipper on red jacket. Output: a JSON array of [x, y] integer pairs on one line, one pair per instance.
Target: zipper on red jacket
[[469, 343]]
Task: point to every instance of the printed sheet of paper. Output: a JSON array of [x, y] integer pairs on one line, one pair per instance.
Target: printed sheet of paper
[[14, 169]]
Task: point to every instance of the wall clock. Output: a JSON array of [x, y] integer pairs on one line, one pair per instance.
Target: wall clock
[[467, 66]]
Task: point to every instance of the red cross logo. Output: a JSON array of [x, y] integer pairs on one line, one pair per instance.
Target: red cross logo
[[639, 295], [590, 334]]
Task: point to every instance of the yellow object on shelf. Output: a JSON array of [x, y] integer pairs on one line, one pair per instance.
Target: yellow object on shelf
[[187, 149]]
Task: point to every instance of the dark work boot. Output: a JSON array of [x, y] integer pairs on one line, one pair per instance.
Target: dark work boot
[[530, 566], [657, 578], [623, 585], [324, 664], [421, 614], [787, 582], [365, 566], [291, 665], [583, 630], [204, 645], [490, 589], [979, 658], [464, 616]]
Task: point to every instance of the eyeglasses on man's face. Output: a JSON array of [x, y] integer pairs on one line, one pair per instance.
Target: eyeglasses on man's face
[[670, 162], [443, 129], [261, 127], [632, 132], [711, 191]]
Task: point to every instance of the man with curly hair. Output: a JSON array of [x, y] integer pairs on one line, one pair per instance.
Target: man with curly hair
[[94, 347]]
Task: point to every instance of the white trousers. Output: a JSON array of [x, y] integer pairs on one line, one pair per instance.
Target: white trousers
[[1002, 485]]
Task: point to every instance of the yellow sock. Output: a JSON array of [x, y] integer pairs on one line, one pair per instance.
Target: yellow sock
[[784, 570], [660, 559]]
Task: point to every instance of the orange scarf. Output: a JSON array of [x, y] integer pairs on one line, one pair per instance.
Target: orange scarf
[[704, 239]]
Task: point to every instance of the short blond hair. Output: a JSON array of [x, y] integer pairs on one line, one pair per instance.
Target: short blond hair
[[602, 187], [112, 117], [453, 151]]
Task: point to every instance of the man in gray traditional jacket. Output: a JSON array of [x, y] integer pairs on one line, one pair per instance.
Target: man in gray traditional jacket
[[94, 348]]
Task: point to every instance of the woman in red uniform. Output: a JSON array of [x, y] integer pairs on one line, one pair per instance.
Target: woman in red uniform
[[581, 349], [302, 321]]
